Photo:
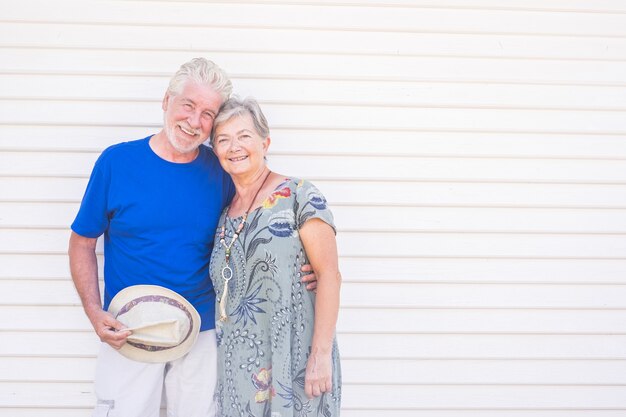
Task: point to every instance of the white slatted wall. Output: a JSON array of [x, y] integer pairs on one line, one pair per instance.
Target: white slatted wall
[[474, 153]]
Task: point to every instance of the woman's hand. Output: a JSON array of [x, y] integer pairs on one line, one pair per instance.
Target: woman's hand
[[318, 239], [319, 374]]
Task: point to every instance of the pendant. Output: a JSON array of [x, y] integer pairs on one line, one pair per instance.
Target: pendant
[[227, 274]]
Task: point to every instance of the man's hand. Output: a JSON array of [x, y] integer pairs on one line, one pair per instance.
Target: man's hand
[[84, 268], [309, 278], [108, 329]]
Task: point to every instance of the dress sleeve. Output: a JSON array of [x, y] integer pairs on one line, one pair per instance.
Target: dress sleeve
[[310, 203]]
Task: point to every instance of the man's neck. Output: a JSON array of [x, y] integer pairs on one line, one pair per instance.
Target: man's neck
[[164, 149]]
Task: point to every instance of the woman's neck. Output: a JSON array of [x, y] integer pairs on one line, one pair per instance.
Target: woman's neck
[[248, 189]]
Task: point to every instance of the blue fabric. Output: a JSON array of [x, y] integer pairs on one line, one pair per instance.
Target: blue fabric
[[158, 219]]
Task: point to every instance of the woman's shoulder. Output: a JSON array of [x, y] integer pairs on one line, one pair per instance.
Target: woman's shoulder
[[296, 187], [287, 188], [298, 184], [306, 193]]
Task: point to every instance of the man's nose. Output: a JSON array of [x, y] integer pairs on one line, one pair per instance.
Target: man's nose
[[194, 120]]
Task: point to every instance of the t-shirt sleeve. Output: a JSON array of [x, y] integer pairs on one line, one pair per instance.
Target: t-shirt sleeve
[[93, 218], [310, 203], [228, 190]]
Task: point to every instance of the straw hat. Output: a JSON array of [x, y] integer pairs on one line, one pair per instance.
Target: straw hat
[[164, 324]]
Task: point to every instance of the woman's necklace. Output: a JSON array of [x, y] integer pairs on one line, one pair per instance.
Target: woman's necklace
[[227, 272]]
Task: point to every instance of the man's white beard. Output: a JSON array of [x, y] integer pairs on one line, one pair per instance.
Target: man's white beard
[[180, 146]]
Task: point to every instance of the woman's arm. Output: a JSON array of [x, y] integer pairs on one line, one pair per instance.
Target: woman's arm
[[318, 239]]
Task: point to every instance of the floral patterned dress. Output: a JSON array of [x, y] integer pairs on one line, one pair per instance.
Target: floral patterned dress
[[264, 344]]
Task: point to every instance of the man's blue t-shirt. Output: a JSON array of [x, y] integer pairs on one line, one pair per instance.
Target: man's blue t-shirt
[[158, 219]]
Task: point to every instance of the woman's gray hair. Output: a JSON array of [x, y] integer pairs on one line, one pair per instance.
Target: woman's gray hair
[[235, 106], [201, 71]]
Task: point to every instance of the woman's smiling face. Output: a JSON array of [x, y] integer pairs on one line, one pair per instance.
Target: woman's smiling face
[[239, 147]]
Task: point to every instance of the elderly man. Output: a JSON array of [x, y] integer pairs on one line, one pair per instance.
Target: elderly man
[[157, 201]]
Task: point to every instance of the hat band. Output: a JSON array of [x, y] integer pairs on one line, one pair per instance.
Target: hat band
[[156, 299]]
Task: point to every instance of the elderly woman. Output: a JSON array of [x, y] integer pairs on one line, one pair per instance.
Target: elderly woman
[[277, 353]]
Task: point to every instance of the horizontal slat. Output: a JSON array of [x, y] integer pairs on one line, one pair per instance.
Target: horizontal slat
[[478, 413], [393, 372], [383, 295], [37, 266], [328, 116], [493, 397], [450, 143], [45, 292], [368, 396], [478, 245], [606, 6], [396, 218], [342, 17], [355, 218], [417, 93], [384, 321], [437, 219], [48, 369], [441, 321], [483, 296], [485, 346], [314, 66], [50, 241], [599, 6], [45, 318], [73, 344], [48, 395], [499, 372], [361, 167], [373, 345], [343, 142], [377, 269], [459, 194], [335, 41], [37, 214], [47, 412], [361, 244], [43, 188], [377, 192]]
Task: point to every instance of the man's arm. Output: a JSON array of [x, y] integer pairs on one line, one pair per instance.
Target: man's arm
[[84, 269]]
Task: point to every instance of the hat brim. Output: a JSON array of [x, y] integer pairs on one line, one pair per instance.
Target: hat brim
[[153, 354]]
